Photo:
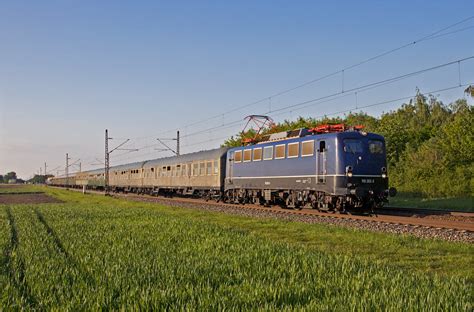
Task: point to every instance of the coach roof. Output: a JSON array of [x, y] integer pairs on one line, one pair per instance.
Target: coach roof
[[203, 155]]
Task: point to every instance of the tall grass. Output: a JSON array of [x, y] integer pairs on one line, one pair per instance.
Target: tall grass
[[99, 254]]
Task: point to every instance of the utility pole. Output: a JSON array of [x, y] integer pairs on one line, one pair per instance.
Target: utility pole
[[67, 171], [177, 143], [107, 159], [45, 168], [80, 167], [41, 171], [107, 155], [176, 152]]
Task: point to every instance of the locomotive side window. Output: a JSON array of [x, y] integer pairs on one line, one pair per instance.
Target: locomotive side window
[[293, 150], [247, 155], [280, 151], [257, 154], [376, 147], [238, 156], [322, 146], [268, 153], [352, 146], [307, 148]]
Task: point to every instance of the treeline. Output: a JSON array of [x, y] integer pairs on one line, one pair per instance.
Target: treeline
[[10, 177], [429, 144]]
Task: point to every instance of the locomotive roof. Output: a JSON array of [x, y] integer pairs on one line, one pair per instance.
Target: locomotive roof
[[308, 136]]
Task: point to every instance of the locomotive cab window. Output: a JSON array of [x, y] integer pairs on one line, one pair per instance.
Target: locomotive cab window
[[268, 153], [247, 155], [293, 150], [376, 147], [307, 148], [352, 146], [280, 151], [257, 154], [238, 156]]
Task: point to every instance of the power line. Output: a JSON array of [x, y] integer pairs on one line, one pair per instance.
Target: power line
[[356, 89], [357, 107], [433, 35]]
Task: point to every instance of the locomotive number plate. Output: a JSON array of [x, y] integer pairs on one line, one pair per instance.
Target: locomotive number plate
[[368, 180]]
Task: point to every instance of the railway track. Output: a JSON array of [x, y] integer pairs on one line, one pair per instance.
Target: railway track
[[417, 220], [453, 226]]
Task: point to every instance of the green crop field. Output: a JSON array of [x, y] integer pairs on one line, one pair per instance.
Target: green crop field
[[92, 252], [16, 188], [455, 203]]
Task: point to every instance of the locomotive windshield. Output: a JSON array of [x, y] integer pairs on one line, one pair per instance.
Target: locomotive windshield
[[352, 146], [376, 147]]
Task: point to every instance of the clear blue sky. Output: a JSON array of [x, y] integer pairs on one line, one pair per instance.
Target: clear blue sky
[[70, 69]]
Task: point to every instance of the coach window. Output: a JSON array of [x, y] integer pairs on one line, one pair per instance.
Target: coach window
[[293, 150], [257, 154], [202, 168], [247, 155], [268, 153], [237, 156], [195, 169], [280, 151], [216, 166], [307, 148], [209, 168]]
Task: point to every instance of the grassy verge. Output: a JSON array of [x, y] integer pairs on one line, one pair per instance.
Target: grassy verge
[[459, 204], [94, 252]]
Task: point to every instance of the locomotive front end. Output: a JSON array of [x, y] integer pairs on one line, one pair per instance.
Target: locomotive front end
[[364, 164]]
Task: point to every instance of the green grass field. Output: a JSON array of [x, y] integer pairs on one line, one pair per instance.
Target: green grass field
[[17, 188], [92, 252], [459, 204]]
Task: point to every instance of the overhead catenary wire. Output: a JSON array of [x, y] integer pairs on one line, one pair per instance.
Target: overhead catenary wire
[[356, 89], [359, 107], [303, 104], [433, 35]]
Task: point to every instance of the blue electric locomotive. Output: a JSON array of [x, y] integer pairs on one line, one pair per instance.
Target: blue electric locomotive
[[327, 168]]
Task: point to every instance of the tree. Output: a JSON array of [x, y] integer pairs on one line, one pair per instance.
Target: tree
[[9, 176]]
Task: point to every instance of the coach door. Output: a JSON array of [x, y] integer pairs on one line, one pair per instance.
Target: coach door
[[321, 162]]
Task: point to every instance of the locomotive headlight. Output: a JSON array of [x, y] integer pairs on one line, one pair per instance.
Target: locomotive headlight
[[384, 172], [349, 171], [384, 175]]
